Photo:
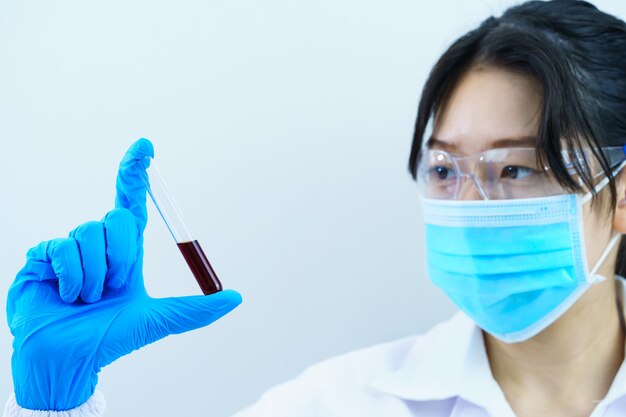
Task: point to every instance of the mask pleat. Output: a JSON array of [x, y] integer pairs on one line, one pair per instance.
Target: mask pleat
[[496, 241]]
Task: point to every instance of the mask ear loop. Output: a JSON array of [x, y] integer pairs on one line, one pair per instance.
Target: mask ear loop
[[602, 258], [616, 236]]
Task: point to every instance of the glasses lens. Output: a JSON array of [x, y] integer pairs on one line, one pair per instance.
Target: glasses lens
[[437, 175], [514, 173], [509, 173]]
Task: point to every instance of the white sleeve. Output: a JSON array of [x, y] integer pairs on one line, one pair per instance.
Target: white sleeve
[[93, 407]]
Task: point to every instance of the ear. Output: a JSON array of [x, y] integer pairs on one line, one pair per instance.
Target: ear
[[619, 218]]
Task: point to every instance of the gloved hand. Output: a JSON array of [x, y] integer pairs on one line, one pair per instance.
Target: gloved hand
[[80, 302]]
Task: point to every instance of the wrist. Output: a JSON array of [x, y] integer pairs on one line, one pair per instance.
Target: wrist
[[93, 407], [48, 381]]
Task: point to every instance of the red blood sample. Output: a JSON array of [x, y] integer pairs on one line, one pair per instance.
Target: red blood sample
[[200, 266]]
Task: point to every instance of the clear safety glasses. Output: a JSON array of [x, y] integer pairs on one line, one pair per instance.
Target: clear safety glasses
[[494, 174]]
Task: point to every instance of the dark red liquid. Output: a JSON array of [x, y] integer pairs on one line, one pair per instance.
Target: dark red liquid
[[200, 266]]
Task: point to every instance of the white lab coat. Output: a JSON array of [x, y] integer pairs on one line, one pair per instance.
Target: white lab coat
[[443, 373]]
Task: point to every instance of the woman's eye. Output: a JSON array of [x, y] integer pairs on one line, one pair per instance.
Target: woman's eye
[[441, 173], [515, 172]]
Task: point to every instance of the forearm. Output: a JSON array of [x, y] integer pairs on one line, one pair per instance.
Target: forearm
[[93, 407]]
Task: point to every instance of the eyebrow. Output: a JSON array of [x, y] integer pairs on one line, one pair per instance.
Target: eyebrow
[[519, 142]]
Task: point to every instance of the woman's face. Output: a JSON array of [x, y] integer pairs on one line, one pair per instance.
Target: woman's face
[[491, 108]]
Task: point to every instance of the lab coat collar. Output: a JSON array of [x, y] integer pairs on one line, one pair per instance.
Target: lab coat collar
[[449, 361]]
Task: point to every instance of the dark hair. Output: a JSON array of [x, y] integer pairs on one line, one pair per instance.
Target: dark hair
[[577, 54]]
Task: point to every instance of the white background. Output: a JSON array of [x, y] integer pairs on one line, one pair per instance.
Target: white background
[[283, 129]]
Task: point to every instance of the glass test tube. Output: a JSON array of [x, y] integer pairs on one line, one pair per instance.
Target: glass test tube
[[186, 242]]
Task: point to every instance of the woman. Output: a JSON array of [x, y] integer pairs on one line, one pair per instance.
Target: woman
[[524, 198]]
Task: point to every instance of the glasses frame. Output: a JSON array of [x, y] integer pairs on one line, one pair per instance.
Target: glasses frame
[[615, 155]]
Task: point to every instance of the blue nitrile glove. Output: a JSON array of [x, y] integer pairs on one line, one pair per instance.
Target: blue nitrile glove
[[80, 303]]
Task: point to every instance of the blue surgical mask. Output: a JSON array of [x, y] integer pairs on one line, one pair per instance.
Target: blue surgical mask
[[513, 266]]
